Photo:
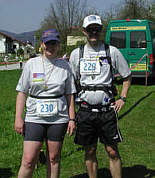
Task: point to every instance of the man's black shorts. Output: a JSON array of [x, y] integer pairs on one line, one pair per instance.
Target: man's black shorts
[[94, 125], [39, 132]]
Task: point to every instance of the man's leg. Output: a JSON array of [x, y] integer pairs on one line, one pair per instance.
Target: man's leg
[[53, 158], [91, 160], [30, 154], [115, 161]]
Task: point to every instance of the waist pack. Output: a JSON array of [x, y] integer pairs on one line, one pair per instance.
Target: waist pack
[[94, 108]]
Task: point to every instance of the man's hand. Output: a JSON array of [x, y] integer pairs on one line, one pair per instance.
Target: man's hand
[[118, 104], [121, 101]]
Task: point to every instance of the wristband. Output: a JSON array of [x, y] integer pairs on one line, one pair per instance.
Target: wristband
[[122, 98], [72, 120]]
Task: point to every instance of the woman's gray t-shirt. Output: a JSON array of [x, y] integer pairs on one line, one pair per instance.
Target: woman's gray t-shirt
[[57, 75]]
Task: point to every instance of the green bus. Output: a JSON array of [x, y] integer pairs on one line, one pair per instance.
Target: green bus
[[136, 41]]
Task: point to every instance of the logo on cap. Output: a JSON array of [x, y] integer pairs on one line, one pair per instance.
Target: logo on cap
[[92, 19], [49, 35]]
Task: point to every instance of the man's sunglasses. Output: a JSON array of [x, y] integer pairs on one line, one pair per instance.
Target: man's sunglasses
[[94, 29], [52, 42]]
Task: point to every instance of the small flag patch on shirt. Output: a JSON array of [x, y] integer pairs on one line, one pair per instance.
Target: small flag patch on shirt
[[38, 77]]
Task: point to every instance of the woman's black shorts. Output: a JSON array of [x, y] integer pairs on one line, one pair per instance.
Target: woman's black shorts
[[39, 132]]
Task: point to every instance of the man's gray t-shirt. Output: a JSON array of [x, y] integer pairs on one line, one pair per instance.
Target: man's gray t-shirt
[[58, 76], [102, 78]]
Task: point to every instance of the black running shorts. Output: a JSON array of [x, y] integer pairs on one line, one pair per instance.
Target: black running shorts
[[92, 126], [39, 132]]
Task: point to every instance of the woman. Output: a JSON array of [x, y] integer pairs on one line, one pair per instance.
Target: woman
[[47, 87]]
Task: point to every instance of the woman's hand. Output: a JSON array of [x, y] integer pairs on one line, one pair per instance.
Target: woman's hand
[[20, 103], [71, 127], [19, 125]]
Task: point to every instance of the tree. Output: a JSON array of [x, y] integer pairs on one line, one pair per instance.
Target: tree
[[20, 52], [107, 16], [135, 9], [63, 15], [152, 11]]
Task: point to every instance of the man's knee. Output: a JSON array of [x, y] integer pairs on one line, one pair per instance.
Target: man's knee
[[90, 152], [112, 152]]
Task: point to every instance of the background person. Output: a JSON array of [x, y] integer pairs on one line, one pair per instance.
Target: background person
[[6, 60], [47, 87], [97, 117], [21, 62]]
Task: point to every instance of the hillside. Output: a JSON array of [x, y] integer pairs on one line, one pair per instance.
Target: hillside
[[26, 36]]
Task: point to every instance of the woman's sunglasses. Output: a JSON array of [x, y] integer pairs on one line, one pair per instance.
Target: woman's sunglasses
[[94, 29]]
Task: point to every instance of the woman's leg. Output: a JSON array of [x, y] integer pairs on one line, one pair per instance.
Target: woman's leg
[[30, 154], [53, 160]]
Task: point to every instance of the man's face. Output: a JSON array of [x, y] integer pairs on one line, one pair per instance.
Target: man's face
[[93, 33]]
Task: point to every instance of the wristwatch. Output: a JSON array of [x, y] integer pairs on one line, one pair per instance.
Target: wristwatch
[[122, 98]]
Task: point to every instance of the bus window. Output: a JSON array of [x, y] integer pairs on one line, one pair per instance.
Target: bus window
[[118, 39], [138, 39]]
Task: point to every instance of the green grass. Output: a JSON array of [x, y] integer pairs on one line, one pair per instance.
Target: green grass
[[137, 127]]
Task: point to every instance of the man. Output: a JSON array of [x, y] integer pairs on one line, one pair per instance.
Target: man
[[97, 117]]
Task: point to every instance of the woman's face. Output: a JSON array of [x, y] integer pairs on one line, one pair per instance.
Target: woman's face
[[50, 48]]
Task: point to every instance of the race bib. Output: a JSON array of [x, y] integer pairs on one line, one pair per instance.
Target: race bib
[[89, 66], [47, 107]]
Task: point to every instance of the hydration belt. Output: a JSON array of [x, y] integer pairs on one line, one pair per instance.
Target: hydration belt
[[94, 108], [46, 97], [94, 88]]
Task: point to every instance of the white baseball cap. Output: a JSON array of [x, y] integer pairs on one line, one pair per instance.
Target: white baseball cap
[[91, 19]]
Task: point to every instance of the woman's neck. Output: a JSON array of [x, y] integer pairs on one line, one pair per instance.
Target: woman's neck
[[49, 57]]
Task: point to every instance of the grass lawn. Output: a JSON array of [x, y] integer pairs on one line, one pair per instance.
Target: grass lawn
[[137, 124]]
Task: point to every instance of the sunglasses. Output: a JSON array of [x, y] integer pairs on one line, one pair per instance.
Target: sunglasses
[[94, 29], [52, 42]]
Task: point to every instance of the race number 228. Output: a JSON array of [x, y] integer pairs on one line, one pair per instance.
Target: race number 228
[[89, 66]]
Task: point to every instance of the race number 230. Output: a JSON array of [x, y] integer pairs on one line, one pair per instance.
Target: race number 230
[[46, 107]]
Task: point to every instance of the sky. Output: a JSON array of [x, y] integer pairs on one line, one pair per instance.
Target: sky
[[20, 16]]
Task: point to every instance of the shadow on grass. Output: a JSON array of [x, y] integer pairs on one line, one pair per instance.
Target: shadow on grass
[[137, 171], [6, 173], [133, 106]]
